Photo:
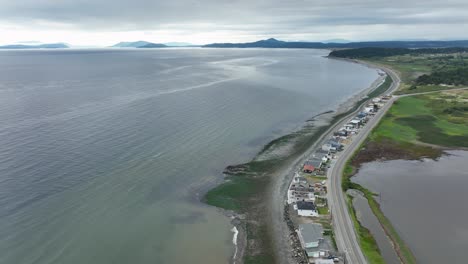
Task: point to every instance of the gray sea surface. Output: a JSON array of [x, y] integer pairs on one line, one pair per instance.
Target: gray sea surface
[[105, 154], [426, 201]]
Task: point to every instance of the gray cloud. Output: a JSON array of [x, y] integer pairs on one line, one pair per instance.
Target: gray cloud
[[255, 17]]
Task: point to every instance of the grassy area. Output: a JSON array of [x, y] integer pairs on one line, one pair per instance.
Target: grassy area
[[366, 240], [431, 119], [244, 191], [322, 210], [439, 118], [411, 67]]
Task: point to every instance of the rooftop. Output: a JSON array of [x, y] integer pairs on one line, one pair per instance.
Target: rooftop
[[305, 206], [311, 232], [316, 162]]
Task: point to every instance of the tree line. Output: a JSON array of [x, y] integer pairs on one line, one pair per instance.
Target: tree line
[[369, 52]]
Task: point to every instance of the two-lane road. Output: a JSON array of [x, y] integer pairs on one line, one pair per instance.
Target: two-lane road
[[345, 233]]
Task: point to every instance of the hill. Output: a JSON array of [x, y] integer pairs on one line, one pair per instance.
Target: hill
[[274, 43], [138, 44], [41, 46]]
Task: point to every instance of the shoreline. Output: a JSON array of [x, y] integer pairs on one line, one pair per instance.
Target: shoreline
[[275, 188]]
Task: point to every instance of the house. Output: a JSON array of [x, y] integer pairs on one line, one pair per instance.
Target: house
[[300, 192], [299, 179], [306, 208], [361, 115], [349, 127], [335, 144], [314, 162], [326, 147], [308, 168], [341, 133], [324, 261], [369, 109], [311, 238], [356, 122]]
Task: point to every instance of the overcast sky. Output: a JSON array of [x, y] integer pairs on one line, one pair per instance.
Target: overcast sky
[[104, 22]]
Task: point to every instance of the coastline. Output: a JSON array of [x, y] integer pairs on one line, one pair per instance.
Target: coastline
[[276, 184]]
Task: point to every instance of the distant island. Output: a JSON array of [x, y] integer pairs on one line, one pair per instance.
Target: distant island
[[147, 44], [39, 46], [138, 44], [274, 43]]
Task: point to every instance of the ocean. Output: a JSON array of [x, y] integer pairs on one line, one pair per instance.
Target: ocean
[[105, 154]]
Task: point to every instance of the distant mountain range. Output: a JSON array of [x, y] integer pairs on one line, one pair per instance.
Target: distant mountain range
[[146, 44], [39, 46], [274, 43]]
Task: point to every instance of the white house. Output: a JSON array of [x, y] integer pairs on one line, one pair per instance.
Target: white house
[[306, 208]]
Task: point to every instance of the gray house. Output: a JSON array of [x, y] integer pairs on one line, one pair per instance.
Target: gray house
[[311, 237]]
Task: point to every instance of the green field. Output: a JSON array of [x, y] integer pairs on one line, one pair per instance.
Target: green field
[[410, 129], [438, 118], [410, 67]]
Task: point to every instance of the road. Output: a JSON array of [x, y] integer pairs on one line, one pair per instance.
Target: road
[[345, 234], [283, 177]]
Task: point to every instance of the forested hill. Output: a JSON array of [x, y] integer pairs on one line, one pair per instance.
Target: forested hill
[[455, 76], [274, 43], [387, 52]]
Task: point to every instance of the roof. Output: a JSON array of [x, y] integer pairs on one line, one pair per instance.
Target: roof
[[305, 206], [316, 162], [322, 152], [324, 261], [311, 232], [309, 167], [300, 179]]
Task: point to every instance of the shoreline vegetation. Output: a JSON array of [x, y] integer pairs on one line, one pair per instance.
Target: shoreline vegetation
[[246, 185], [415, 127]]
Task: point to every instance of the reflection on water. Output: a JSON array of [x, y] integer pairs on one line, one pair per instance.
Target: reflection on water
[[426, 203], [367, 219], [105, 153]]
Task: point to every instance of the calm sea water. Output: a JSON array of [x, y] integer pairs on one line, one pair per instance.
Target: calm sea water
[[426, 203], [104, 154]]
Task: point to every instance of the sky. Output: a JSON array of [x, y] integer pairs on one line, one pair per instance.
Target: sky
[[106, 22]]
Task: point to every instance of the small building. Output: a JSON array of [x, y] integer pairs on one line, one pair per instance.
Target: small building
[[306, 208], [369, 109], [335, 144], [324, 261], [308, 168], [311, 238], [341, 133], [299, 179], [326, 147], [356, 122]]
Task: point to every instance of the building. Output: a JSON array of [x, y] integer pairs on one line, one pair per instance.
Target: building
[[311, 237], [306, 208], [356, 122], [312, 165], [324, 261], [299, 179], [326, 147], [308, 168]]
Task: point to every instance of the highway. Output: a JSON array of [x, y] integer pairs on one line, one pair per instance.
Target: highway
[[345, 234]]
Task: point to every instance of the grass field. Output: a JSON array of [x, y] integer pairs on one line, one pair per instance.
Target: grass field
[[410, 67], [438, 119]]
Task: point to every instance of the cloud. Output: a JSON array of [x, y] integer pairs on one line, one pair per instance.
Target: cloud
[[243, 19]]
